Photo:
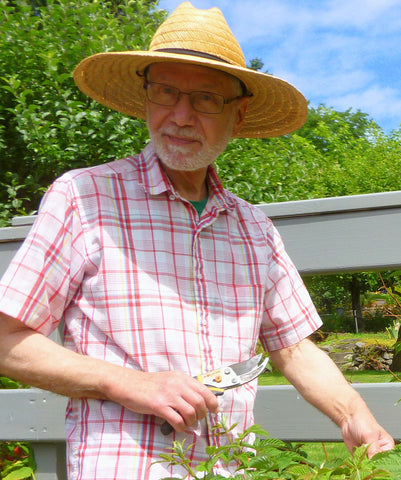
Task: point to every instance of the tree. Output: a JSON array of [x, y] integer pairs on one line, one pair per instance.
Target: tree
[[47, 126], [256, 64]]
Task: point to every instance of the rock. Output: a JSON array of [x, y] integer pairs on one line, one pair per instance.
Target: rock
[[327, 348]]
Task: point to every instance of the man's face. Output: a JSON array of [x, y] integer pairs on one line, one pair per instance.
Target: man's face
[[183, 138]]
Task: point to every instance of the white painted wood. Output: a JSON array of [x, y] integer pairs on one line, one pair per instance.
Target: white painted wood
[[284, 414], [332, 235]]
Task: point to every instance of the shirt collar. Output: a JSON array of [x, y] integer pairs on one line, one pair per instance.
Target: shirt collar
[[155, 181]]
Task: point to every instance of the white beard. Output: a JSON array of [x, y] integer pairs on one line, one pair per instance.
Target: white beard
[[182, 157]]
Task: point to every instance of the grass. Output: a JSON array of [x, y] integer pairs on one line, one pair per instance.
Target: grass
[[321, 452], [365, 376], [382, 338]]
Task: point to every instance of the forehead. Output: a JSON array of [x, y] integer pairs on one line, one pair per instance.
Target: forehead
[[195, 75]]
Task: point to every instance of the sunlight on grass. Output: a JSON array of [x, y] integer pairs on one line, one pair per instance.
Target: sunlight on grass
[[365, 376], [318, 451]]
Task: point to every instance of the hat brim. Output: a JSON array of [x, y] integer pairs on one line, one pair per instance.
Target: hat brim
[[276, 107]]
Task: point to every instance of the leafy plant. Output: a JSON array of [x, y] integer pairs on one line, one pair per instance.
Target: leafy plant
[[8, 383], [252, 455], [16, 461], [47, 126]]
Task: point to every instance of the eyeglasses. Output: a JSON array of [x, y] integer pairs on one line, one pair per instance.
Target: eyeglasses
[[203, 102]]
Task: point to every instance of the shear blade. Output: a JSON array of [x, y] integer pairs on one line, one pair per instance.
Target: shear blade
[[236, 374], [247, 377], [247, 365]]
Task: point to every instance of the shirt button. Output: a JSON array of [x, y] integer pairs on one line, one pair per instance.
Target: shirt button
[[172, 197]]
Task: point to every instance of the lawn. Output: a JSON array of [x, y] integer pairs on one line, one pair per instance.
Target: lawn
[[321, 452], [365, 376]]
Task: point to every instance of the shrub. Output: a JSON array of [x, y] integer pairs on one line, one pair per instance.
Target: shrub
[[16, 461], [253, 455], [47, 126]]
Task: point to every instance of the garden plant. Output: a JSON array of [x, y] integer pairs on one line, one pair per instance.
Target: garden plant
[[253, 455], [16, 461]]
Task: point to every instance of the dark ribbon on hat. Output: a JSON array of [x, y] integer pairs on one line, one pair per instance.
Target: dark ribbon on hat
[[184, 51]]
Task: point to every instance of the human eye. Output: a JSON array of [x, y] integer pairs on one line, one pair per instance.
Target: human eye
[[206, 97], [166, 90], [164, 94], [207, 101]]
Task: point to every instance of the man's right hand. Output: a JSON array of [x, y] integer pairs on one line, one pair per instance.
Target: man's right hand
[[174, 396]]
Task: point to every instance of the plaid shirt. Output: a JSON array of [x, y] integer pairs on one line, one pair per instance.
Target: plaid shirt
[[141, 281]]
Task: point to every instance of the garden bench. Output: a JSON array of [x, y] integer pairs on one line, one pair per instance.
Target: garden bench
[[332, 235]]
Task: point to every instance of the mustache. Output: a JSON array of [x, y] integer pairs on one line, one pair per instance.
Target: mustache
[[186, 133]]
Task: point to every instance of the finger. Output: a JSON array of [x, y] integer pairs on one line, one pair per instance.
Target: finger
[[209, 397], [198, 408], [186, 412], [381, 445], [173, 421]]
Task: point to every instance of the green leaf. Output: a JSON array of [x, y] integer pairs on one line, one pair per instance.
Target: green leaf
[[20, 474], [8, 383]]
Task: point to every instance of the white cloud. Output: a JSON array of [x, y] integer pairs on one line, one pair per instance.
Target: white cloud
[[381, 103]]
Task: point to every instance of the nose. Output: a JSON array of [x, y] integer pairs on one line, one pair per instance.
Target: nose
[[183, 111]]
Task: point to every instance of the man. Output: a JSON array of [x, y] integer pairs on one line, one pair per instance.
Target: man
[[159, 273]]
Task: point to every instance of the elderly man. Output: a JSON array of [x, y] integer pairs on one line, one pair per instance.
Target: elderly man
[[159, 273]]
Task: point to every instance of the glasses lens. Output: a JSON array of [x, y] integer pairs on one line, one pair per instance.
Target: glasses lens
[[207, 102], [162, 94], [166, 95]]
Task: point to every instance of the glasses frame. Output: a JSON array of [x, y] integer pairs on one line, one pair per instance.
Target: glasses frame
[[225, 101]]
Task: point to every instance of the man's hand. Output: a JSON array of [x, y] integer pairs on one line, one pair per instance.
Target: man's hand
[[362, 428], [173, 396]]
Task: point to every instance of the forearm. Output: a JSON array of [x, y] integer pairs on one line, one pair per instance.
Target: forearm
[[322, 384], [31, 358], [319, 381]]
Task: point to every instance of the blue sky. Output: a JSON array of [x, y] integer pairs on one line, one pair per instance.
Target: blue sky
[[343, 53]]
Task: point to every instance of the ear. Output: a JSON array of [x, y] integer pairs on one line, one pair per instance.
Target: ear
[[242, 105]]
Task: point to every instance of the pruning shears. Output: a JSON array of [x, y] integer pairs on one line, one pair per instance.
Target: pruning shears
[[226, 377]]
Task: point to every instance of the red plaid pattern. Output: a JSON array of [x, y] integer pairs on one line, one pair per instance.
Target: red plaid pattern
[[141, 281]]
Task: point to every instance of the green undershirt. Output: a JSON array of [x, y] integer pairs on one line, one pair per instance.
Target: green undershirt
[[200, 205]]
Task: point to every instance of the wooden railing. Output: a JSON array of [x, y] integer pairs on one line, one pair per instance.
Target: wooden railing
[[358, 233]]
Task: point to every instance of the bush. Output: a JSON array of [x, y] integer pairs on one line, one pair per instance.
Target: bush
[[47, 126], [377, 321], [263, 458], [17, 461], [338, 323]]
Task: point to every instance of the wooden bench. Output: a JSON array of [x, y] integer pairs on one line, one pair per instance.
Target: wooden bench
[[358, 233]]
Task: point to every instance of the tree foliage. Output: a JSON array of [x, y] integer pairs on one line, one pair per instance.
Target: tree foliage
[[334, 154], [46, 125]]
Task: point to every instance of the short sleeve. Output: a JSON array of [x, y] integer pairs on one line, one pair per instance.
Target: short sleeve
[[289, 313], [47, 269]]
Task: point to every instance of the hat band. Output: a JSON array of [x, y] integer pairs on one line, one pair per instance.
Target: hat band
[[184, 51]]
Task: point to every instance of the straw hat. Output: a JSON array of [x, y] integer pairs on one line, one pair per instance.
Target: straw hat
[[200, 37]]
